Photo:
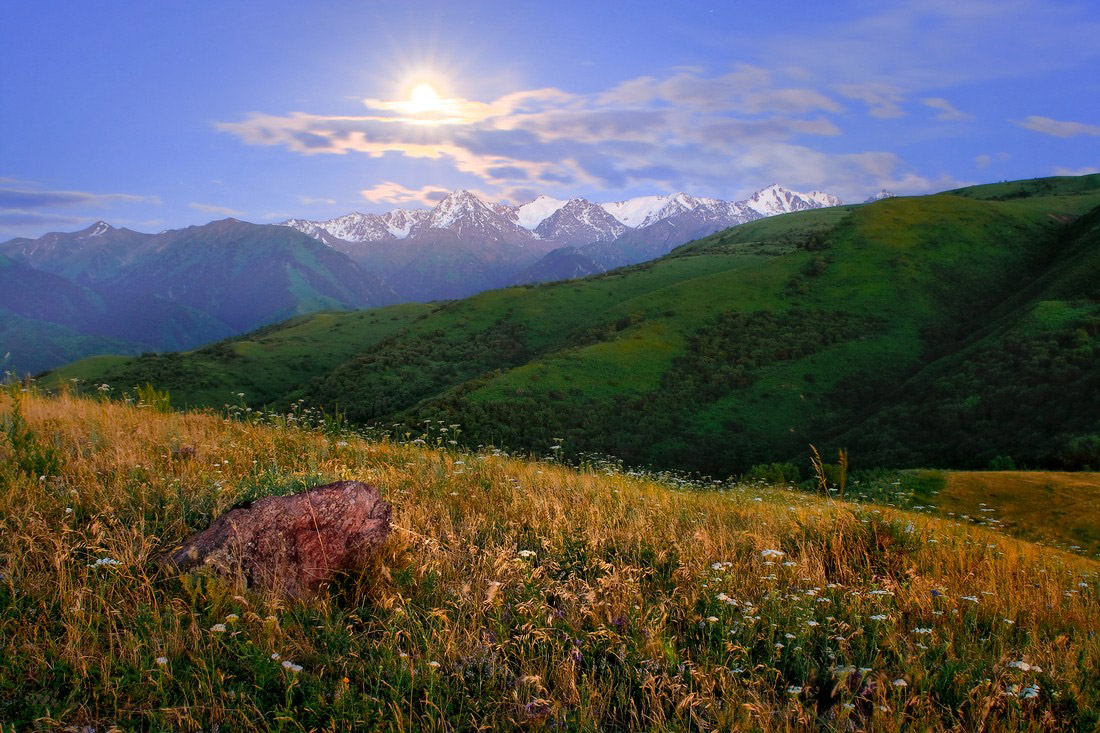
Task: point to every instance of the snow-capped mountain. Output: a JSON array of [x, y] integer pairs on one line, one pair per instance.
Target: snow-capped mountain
[[533, 213], [646, 210], [579, 222], [465, 244], [883, 194], [572, 222], [775, 199]]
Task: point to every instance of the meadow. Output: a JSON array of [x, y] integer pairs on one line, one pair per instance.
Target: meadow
[[513, 593]]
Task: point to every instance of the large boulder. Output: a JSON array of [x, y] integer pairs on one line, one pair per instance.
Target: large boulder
[[293, 544]]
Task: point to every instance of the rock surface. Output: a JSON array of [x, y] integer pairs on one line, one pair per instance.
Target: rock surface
[[293, 544]]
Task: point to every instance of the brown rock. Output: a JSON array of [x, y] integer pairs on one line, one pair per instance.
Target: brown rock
[[293, 544]]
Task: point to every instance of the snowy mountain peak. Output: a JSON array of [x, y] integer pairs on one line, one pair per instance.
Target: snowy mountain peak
[[775, 199], [883, 194], [96, 230], [550, 221], [456, 205], [400, 222], [533, 213]]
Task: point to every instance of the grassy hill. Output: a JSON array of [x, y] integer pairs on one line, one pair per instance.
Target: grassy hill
[[273, 364], [511, 594], [870, 327]]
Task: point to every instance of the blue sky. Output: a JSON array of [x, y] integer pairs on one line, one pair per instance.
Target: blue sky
[[164, 114]]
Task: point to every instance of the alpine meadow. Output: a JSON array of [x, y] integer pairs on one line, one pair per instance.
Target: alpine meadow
[[430, 366]]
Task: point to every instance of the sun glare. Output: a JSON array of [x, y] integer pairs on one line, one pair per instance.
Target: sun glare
[[424, 98]]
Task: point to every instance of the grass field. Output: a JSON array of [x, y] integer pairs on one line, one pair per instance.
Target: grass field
[[1054, 508], [512, 594]]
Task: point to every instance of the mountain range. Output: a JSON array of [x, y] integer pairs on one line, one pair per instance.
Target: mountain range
[[113, 290], [957, 330], [465, 244], [106, 289]]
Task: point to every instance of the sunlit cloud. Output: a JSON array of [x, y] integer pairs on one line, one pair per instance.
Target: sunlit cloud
[[395, 193], [685, 127], [1058, 128], [948, 112]]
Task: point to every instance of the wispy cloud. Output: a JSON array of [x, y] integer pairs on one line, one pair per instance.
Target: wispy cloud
[[688, 128], [316, 201], [26, 206], [929, 45], [1058, 128], [948, 111], [883, 100], [22, 218], [985, 159], [395, 193], [215, 209], [1062, 170], [33, 198]]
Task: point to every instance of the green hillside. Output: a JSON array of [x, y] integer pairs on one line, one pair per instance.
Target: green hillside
[[269, 365], [28, 345], [859, 326]]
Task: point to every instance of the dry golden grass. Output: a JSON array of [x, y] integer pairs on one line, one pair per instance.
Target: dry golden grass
[[1056, 508], [512, 594]]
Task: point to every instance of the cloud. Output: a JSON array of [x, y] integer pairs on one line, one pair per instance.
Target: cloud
[[685, 129], [883, 100], [25, 206], [1058, 128], [395, 193], [32, 198], [930, 45], [948, 112], [1062, 170], [213, 209], [666, 130], [985, 160], [22, 218], [315, 201]]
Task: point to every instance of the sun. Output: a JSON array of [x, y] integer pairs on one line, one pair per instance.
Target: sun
[[424, 98]]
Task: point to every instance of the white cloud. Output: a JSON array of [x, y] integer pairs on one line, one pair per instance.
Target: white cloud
[[985, 159], [883, 100], [1058, 128], [948, 111], [316, 201], [686, 127]]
